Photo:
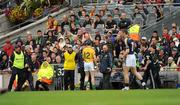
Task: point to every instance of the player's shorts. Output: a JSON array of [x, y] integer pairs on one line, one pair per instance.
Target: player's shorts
[[88, 66], [130, 60]]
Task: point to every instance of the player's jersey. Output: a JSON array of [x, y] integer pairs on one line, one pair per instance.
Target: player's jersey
[[88, 54], [130, 45]]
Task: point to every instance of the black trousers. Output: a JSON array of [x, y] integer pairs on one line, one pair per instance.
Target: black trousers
[[21, 78], [82, 78], [43, 84], [154, 70], [106, 80], [69, 79], [29, 77]]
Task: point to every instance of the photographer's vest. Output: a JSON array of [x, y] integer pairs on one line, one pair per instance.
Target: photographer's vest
[[69, 61], [134, 32], [18, 60]]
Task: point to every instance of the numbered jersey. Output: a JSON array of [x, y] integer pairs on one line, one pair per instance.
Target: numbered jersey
[[130, 45], [88, 54]]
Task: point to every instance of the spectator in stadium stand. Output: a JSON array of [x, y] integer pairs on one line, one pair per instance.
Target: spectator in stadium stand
[[171, 64], [52, 23], [97, 35], [70, 58], [92, 11], [51, 38], [175, 33], [177, 43], [141, 8], [97, 47], [173, 25], [97, 21], [159, 13], [81, 8], [73, 28], [104, 8], [154, 41], [74, 19], [87, 21], [44, 75], [125, 22], [19, 42], [53, 58], [101, 13], [152, 67], [65, 21], [30, 40], [35, 62], [4, 61], [84, 13], [119, 44], [105, 67], [29, 67], [137, 12], [166, 34], [175, 54], [110, 24], [8, 47], [43, 57], [116, 12], [18, 62], [61, 42], [40, 40]]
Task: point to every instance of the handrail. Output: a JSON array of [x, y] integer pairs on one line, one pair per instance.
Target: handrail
[[159, 4], [167, 16]]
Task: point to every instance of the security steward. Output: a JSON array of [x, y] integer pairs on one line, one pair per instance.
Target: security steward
[[18, 64], [70, 58]]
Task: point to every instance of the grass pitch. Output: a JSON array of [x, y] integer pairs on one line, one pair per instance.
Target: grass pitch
[[110, 97]]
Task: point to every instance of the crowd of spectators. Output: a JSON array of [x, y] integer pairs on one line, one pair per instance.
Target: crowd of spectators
[[71, 30]]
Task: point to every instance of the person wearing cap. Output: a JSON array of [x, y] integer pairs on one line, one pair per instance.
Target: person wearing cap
[[70, 58], [18, 61]]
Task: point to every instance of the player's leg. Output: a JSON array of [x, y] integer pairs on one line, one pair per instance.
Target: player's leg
[[92, 72], [87, 73], [138, 75], [126, 77]]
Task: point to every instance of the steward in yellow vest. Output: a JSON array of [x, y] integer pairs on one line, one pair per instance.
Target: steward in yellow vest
[[70, 58], [18, 65], [134, 32]]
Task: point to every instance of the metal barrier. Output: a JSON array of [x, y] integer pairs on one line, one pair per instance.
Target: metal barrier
[[167, 76]]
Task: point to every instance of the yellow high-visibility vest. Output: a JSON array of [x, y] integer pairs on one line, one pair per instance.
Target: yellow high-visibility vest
[[18, 60], [134, 32], [69, 61]]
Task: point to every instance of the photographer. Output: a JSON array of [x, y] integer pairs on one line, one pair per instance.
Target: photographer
[[106, 66], [152, 67]]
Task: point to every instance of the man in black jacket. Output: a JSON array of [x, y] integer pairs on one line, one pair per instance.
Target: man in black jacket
[[106, 66]]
